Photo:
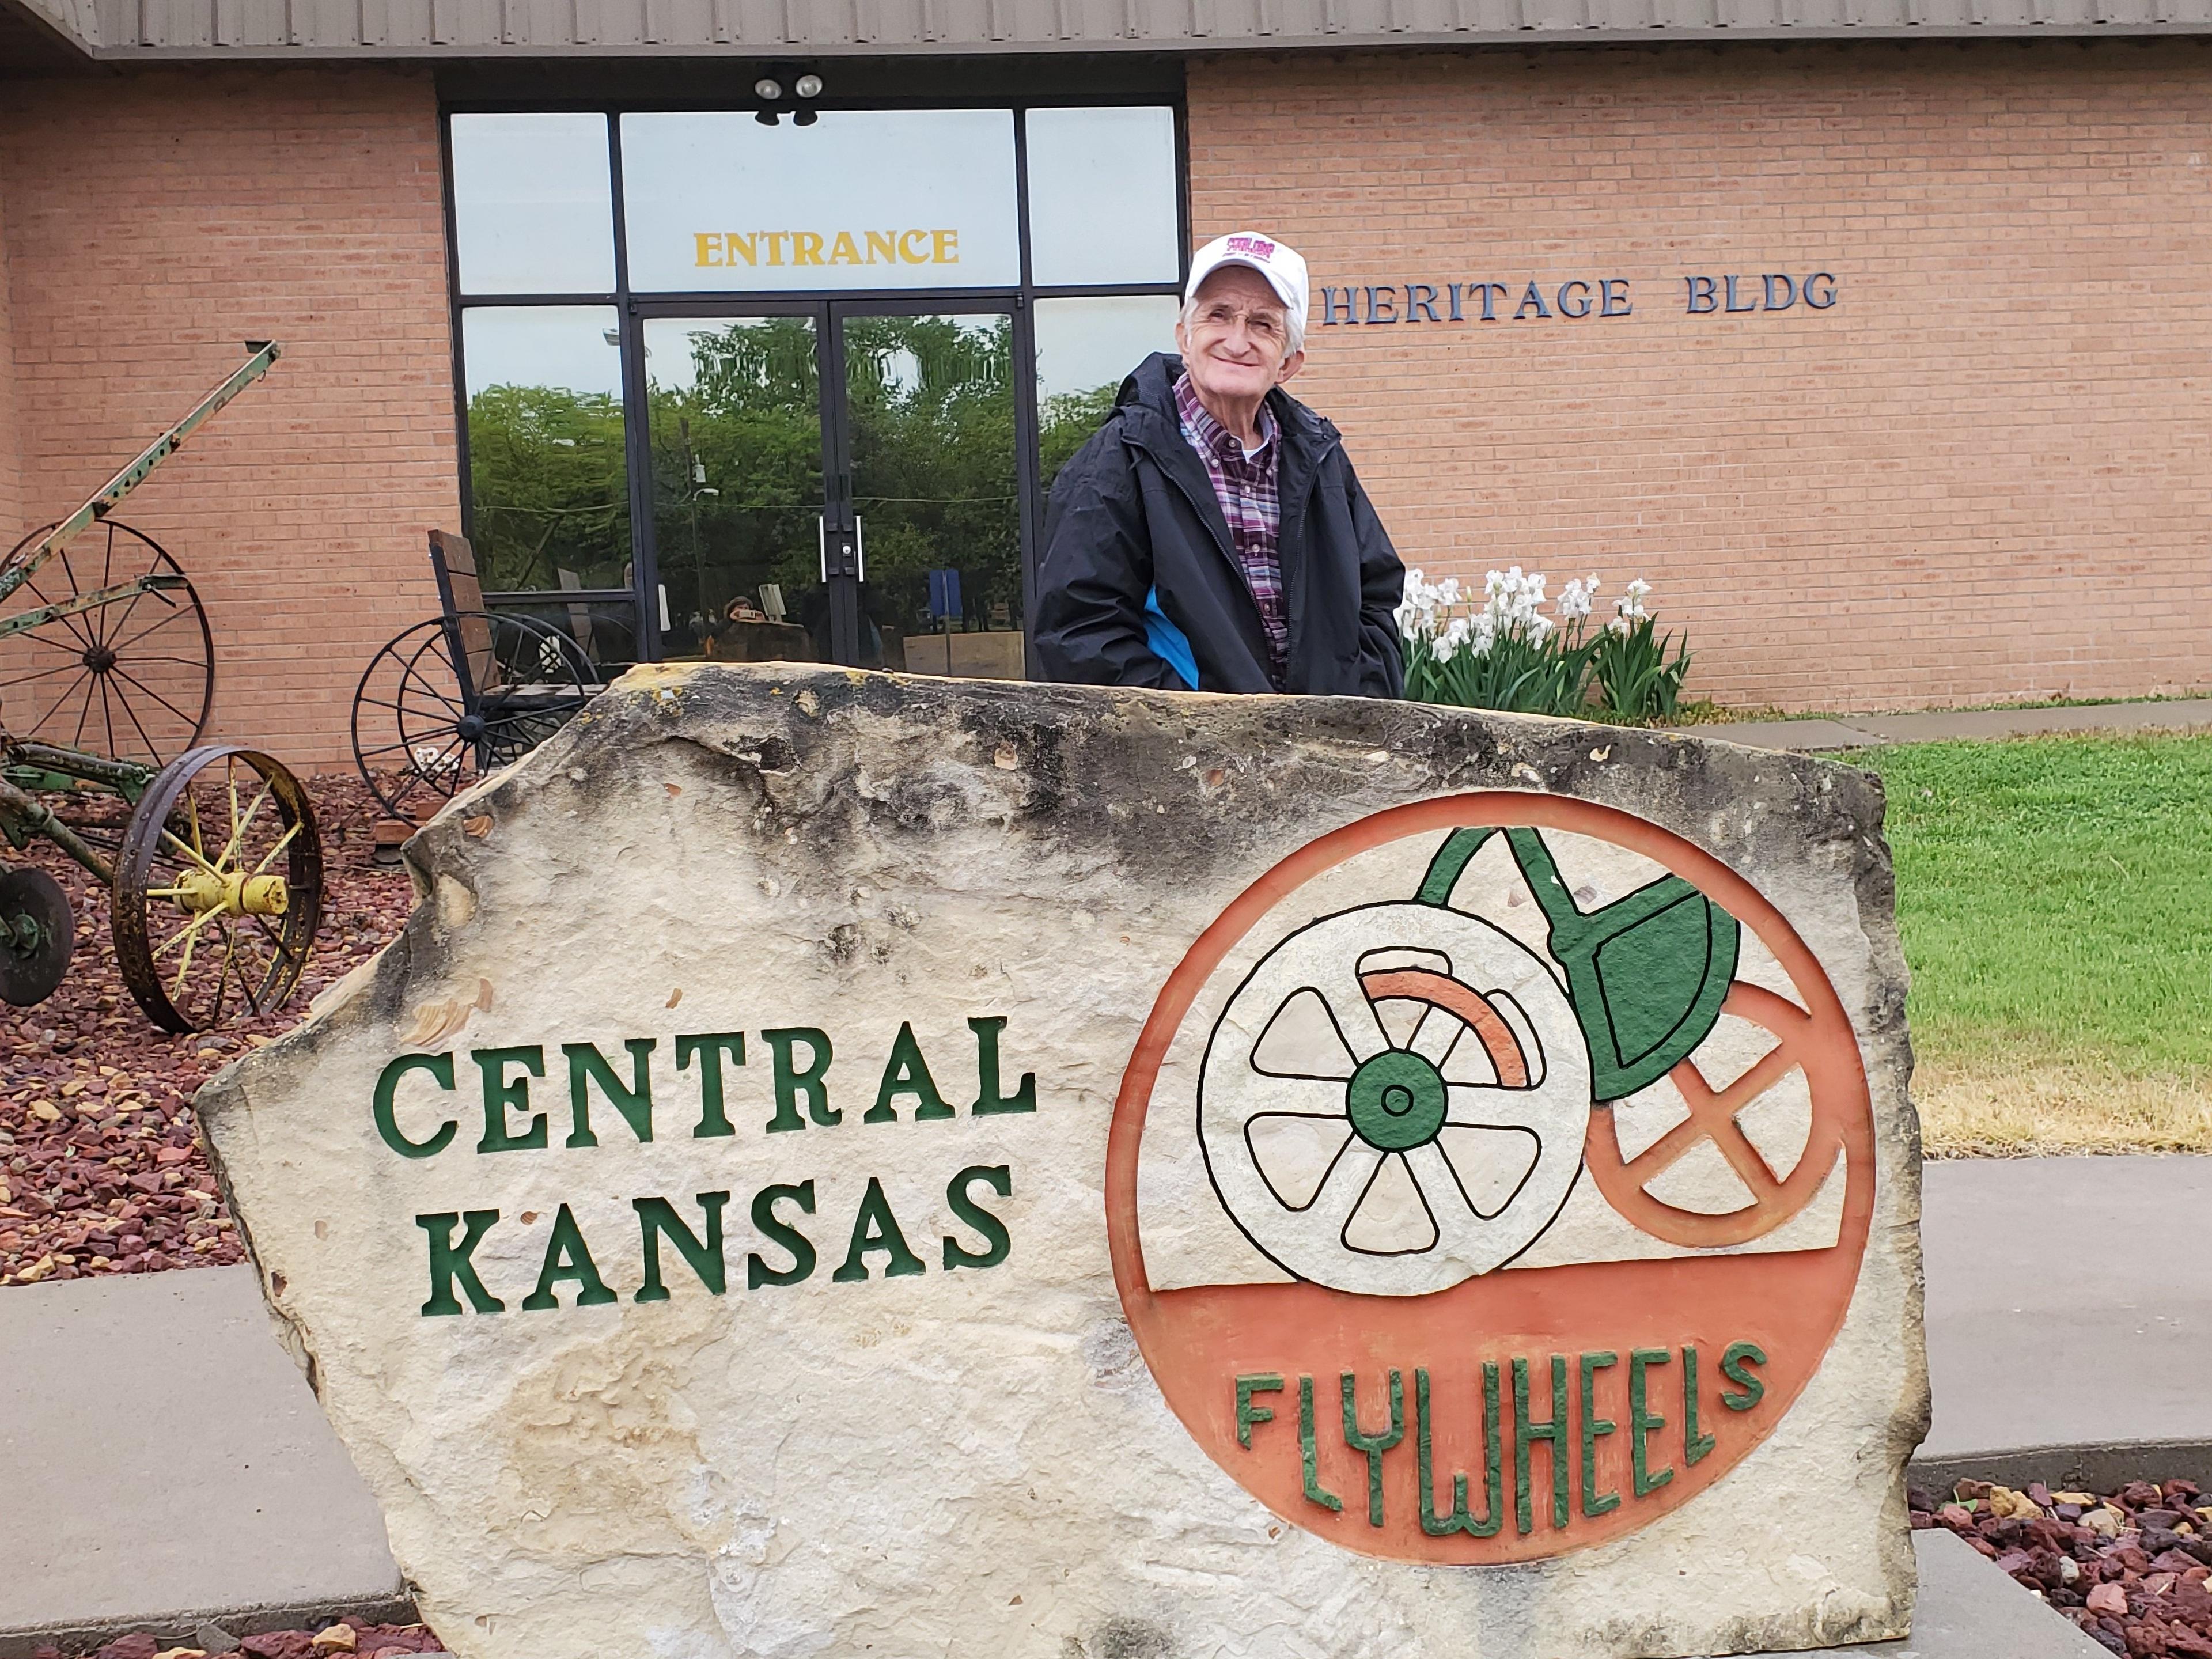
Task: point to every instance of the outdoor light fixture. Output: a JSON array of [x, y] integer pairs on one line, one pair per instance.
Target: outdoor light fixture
[[769, 90]]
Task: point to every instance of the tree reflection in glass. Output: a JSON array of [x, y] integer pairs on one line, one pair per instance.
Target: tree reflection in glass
[[549, 489], [931, 419], [735, 420]]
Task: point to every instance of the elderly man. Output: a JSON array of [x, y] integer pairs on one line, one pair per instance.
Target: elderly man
[[1213, 536]]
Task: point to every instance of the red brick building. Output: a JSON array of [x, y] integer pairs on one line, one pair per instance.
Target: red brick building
[[1867, 331]]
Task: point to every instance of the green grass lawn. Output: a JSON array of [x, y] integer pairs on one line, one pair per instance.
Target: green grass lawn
[[2055, 896]]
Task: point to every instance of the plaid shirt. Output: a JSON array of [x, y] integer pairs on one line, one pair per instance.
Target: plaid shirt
[[1246, 487]]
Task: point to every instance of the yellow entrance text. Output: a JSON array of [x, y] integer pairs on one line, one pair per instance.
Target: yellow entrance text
[[813, 248]]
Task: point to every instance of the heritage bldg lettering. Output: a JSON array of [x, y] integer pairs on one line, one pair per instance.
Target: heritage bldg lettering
[[1723, 293], [418, 1114]]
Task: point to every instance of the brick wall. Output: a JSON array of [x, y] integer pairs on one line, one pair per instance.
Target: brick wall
[[153, 222], [1982, 474], [11, 484]]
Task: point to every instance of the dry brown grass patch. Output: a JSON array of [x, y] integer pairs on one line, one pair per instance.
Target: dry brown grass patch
[[1996, 1107]]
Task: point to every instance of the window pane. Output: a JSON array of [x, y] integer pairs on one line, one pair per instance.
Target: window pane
[[1103, 196], [1084, 350], [863, 199], [550, 492], [534, 208], [931, 409], [737, 487]]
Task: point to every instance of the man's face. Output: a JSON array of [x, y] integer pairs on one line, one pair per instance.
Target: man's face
[[1236, 342]]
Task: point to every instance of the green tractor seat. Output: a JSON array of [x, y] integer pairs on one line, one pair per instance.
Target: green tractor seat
[[1646, 973]]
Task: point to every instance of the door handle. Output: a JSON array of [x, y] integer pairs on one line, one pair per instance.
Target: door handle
[[844, 558], [859, 552]]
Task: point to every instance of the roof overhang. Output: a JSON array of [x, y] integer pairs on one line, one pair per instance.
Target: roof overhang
[[118, 31]]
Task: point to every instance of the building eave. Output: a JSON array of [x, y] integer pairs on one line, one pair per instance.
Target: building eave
[[127, 31]]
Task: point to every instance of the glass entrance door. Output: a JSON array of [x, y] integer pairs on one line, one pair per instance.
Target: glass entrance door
[[836, 482], [736, 426], [927, 439]]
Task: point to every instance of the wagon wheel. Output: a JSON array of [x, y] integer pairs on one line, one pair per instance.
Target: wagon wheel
[[37, 933], [1825, 1051], [219, 890], [132, 677], [420, 739]]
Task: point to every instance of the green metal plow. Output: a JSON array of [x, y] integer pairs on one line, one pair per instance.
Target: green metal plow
[[1646, 973], [215, 872]]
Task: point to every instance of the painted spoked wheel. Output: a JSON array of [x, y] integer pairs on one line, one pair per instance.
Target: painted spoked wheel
[[37, 933], [132, 674], [453, 700], [219, 890], [1394, 1100], [1820, 1044]]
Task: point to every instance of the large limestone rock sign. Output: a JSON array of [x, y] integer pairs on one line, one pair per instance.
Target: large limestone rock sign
[[840, 1164]]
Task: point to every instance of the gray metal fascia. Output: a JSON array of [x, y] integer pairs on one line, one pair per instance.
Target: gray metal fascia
[[76, 22], [364, 30]]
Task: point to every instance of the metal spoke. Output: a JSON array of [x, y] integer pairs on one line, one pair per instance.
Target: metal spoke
[[418, 684], [222, 976], [105, 634], [194, 857], [237, 829], [75, 587], [32, 637], [126, 674], [247, 987], [397, 707], [176, 612], [190, 931], [77, 742], [74, 662], [131, 715], [58, 703], [66, 621], [402, 746], [282, 841], [107, 559]]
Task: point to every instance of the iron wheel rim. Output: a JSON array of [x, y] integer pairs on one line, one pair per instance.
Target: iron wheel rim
[[148, 674], [167, 836]]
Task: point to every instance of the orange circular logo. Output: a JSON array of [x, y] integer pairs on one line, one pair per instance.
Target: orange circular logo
[[1489, 1178]]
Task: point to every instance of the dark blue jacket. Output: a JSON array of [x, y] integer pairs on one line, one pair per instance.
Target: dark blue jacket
[[1133, 514]]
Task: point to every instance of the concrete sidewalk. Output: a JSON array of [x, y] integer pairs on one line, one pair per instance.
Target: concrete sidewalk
[[2054, 1321], [165, 1461], [163, 1455], [1871, 731]]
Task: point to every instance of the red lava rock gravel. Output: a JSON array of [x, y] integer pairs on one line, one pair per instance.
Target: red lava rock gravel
[[2130, 1568], [366, 1641], [100, 1167]]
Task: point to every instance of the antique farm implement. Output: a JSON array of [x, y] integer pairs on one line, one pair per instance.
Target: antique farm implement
[[460, 695], [210, 853]]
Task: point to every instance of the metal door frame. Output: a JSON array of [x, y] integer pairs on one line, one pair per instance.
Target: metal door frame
[[843, 551]]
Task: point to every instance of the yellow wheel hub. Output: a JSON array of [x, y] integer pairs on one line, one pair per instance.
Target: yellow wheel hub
[[232, 892]]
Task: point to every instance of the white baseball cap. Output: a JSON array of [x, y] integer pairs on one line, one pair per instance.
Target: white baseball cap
[[1282, 266]]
